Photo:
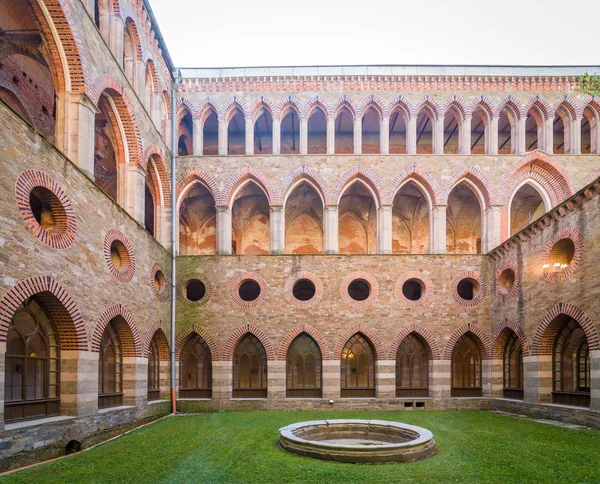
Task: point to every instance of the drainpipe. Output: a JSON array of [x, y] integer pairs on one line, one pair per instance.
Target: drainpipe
[[176, 78]]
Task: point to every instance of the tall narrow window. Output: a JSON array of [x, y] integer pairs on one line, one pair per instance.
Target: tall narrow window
[[195, 369], [153, 371], [513, 368], [250, 369], [303, 369], [110, 369], [412, 368], [358, 368], [32, 369], [466, 368]]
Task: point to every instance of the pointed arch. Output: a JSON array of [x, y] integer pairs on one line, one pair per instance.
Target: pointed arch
[[238, 334], [197, 175], [260, 104], [513, 105], [499, 337], [366, 332], [372, 102], [161, 338], [205, 109], [369, 178], [293, 179], [477, 178], [184, 334], [231, 106], [126, 329], [422, 178], [400, 102], [184, 106], [296, 331], [485, 104], [429, 103], [287, 104], [130, 23], [481, 339], [241, 177], [342, 103], [153, 157], [316, 102], [458, 104], [541, 105], [569, 106], [433, 349]]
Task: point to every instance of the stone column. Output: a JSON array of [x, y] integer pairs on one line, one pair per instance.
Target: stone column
[[437, 230], [537, 382], [139, 78], [249, 136], [135, 195], [303, 136], [497, 377], [198, 138], [595, 380], [575, 132], [384, 230], [493, 136], [331, 380], [163, 230], [486, 378], [222, 141], [385, 379], [521, 141], [276, 380], [358, 136], [547, 142], [78, 383], [116, 38], [165, 380], [440, 379], [2, 378], [491, 238], [438, 136], [223, 230], [384, 136], [221, 383], [330, 136], [411, 136], [277, 226], [330, 235], [465, 136], [135, 381], [276, 136]]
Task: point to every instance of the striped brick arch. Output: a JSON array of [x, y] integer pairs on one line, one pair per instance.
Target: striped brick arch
[[429, 103], [123, 322], [361, 173], [543, 339], [197, 175], [481, 339], [58, 302], [244, 175], [187, 331], [422, 179], [238, 334], [367, 332], [474, 175], [311, 175], [501, 334], [314, 333], [433, 349], [158, 330]]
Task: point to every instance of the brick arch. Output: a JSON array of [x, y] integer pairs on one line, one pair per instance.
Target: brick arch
[[374, 102], [367, 333], [458, 104], [183, 107], [592, 103], [130, 23], [151, 66], [404, 104], [290, 102], [358, 172], [433, 349], [193, 176], [65, 313], [205, 108], [592, 177], [486, 105], [343, 102], [424, 179], [500, 336], [513, 104], [230, 106], [263, 102], [481, 339], [238, 334], [543, 339], [569, 104], [309, 174], [312, 104], [542, 105], [127, 330], [162, 341], [242, 176], [291, 335], [163, 181], [428, 102], [184, 334], [477, 178]]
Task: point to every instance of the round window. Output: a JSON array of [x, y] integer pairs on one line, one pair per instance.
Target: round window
[[506, 281], [304, 290], [413, 289], [195, 290], [467, 288], [359, 289], [249, 290]]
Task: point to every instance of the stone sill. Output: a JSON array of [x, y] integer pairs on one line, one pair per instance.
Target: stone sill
[[516, 400], [200, 399], [155, 402], [33, 423], [571, 407], [115, 409], [248, 399]]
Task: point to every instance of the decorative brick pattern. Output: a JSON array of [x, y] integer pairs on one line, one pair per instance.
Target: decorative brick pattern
[[343, 102], [160, 177], [359, 275], [595, 175], [131, 342], [502, 293], [429, 103], [187, 331], [157, 330], [481, 292], [227, 110], [477, 178], [290, 103], [236, 281], [368, 333], [316, 102], [458, 104], [243, 175], [501, 334], [183, 107], [57, 301], [373, 102], [479, 336], [182, 282], [207, 107], [65, 228], [188, 179], [127, 270], [289, 286], [433, 350], [569, 105], [513, 104], [543, 339], [484, 103], [314, 333], [162, 295], [262, 103], [403, 104], [238, 334], [358, 172], [423, 179], [541, 105], [575, 236], [309, 174], [426, 293], [135, 36]]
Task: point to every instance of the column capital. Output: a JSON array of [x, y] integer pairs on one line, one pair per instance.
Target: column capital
[[223, 208], [332, 208], [276, 208]]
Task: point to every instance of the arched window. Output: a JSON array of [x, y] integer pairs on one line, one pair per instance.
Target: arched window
[[153, 371], [32, 367], [290, 131], [358, 368], [303, 371], [453, 130], [250, 369], [410, 221], [263, 132], [198, 222], [317, 131], [110, 369], [534, 129], [526, 206], [463, 220], [250, 221], [507, 131], [195, 369], [425, 131], [236, 132], [304, 221], [398, 122], [571, 366], [210, 133], [185, 130], [589, 131], [344, 132], [412, 368], [480, 138], [370, 131], [466, 368], [513, 368], [357, 233]]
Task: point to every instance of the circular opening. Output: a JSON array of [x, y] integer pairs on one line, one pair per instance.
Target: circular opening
[[507, 280], [72, 447], [119, 256], [249, 290], [467, 288], [48, 210], [413, 289], [562, 254], [304, 290], [195, 290], [359, 289], [160, 281]]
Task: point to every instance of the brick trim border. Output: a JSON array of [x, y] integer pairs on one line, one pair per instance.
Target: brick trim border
[[577, 238], [182, 283], [425, 295], [127, 330], [238, 334], [501, 292], [308, 174], [421, 178], [433, 349], [128, 262], [500, 335], [481, 293], [347, 178], [66, 315], [291, 335], [482, 340], [359, 275], [157, 329], [543, 339], [477, 178], [289, 286], [196, 175], [63, 236], [235, 283], [368, 333], [241, 177], [184, 334], [162, 295]]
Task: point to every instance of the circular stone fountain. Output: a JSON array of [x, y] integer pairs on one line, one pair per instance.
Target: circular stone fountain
[[358, 441]]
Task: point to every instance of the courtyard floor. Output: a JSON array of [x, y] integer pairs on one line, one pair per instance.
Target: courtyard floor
[[473, 446]]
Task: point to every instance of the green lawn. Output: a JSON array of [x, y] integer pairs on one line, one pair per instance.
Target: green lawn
[[473, 446]]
